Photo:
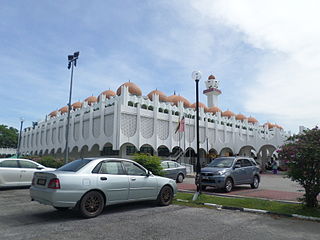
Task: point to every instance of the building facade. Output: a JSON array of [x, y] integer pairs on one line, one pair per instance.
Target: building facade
[[120, 124]]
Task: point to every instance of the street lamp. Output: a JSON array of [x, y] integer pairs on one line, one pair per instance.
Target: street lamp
[[196, 76], [72, 62], [20, 134]]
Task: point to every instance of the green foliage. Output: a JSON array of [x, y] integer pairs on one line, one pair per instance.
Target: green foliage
[[152, 163], [8, 137], [302, 154], [48, 161]]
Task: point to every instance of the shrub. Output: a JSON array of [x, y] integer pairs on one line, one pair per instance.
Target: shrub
[[302, 154], [48, 161], [152, 163]]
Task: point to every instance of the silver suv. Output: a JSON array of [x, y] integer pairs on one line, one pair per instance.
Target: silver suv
[[226, 172]]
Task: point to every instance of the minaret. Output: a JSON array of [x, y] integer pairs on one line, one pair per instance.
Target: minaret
[[212, 91]]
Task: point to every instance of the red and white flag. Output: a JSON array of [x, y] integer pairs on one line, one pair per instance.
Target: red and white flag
[[180, 127]]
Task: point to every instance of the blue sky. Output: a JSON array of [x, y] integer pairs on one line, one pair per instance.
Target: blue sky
[[265, 54]]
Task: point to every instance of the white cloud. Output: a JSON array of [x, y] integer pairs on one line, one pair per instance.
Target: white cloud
[[287, 84]]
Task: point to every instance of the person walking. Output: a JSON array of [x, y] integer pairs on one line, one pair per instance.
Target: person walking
[[274, 167]]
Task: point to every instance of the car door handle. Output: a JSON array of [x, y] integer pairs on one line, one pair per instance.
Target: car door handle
[[23, 170], [133, 179], [103, 178]]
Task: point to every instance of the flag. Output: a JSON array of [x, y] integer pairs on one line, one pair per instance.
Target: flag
[[180, 126]]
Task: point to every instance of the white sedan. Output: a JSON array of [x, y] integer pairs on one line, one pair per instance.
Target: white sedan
[[16, 172], [90, 184]]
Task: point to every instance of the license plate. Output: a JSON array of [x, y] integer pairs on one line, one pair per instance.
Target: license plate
[[41, 181], [205, 178]]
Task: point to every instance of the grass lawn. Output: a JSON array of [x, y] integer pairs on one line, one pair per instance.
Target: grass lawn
[[272, 206]]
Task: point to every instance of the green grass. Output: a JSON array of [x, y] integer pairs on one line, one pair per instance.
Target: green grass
[[272, 206]]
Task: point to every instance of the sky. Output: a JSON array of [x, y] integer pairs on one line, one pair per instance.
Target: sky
[[265, 54]]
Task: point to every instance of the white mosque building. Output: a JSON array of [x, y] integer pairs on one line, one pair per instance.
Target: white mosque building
[[123, 123]]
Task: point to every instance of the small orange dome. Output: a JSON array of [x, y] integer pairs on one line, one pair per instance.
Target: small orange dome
[[227, 114], [211, 77], [90, 100], [63, 110], [53, 114], [201, 105], [132, 88], [240, 117], [109, 93], [178, 99], [252, 120], [270, 125], [76, 105], [172, 98], [162, 96], [214, 110]]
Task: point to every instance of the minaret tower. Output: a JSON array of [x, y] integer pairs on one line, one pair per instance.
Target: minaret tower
[[212, 91]]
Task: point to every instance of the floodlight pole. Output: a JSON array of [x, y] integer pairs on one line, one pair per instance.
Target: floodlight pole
[[19, 139], [72, 63]]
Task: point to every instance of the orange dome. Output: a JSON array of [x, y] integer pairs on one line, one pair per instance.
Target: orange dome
[[76, 105], [177, 99], [211, 77], [53, 114], [214, 110], [201, 105], [109, 93], [63, 109], [270, 125], [252, 120], [172, 98], [227, 114], [278, 126], [162, 96], [132, 88], [91, 100], [240, 117]]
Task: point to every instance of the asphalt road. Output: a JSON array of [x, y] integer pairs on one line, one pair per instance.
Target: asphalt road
[[22, 219]]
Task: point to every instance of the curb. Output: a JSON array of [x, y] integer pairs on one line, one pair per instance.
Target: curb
[[219, 207]]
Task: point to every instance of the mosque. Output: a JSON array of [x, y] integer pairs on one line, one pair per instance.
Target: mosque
[[121, 123]]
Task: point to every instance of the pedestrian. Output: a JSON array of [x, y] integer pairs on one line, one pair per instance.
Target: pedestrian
[[274, 167]]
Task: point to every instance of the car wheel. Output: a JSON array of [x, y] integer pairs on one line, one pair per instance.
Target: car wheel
[[180, 178], [228, 185], [203, 188], [255, 182], [61, 208], [165, 196], [91, 204]]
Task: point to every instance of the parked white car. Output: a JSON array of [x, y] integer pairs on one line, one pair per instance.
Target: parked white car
[[16, 172], [90, 184]]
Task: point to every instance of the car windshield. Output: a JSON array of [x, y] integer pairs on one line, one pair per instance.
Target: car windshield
[[75, 165], [221, 163]]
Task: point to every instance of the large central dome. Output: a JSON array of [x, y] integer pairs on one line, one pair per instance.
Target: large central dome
[[132, 88]]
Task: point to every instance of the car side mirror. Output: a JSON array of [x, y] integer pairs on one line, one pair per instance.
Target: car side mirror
[[237, 166], [149, 173]]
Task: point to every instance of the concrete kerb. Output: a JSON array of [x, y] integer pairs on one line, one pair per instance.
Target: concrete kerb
[[219, 207]]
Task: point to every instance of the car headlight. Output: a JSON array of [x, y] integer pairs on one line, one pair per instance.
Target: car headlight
[[221, 172]]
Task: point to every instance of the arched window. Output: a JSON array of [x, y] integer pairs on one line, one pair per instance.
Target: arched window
[[160, 110], [150, 108], [166, 111], [130, 104], [144, 106], [136, 104]]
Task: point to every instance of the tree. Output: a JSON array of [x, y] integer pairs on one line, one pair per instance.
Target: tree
[[302, 154], [8, 137], [152, 163]]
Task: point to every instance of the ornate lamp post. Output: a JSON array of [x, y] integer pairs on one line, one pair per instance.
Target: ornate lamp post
[[72, 62], [196, 76]]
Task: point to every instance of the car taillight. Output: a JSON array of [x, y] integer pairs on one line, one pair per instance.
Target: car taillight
[[54, 183]]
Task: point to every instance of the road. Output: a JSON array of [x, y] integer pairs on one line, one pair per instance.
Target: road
[[22, 219]]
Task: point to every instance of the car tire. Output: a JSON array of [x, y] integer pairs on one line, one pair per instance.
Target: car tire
[[165, 196], [255, 182], [180, 178], [228, 185], [91, 204], [203, 188], [61, 209]]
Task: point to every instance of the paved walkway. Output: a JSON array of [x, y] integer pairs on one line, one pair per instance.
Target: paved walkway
[[274, 187]]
